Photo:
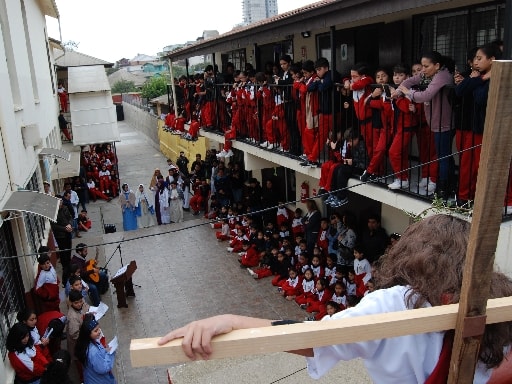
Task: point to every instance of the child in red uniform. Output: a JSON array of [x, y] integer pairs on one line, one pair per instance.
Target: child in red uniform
[[250, 256], [362, 269], [280, 269], [305, 290], [223, 234], [359, 84], [382, 123], [316, 264], [320, 298], [310, 107], [47, 284], [297, 225], [235, 245], [265, 96], [289, 288], [322, 241], [340, 295]]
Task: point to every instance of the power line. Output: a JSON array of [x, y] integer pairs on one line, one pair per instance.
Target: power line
[[256, 212]]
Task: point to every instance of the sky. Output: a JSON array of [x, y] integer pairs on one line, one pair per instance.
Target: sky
[[113, 29]]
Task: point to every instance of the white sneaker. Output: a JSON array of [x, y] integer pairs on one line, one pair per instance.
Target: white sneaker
[[252, 273], [507, 210], [271, 146], [228, 153], [264, 144], [212, 225], [397, 184], [222, 153], [229, 249], [423, 183], [428, 190]]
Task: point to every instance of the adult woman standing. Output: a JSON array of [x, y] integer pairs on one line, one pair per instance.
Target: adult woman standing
[[311, 225], [176, 203], [27, 359], [127, 202], [437, 74], [145, 209], [162, 195], [95, 357]]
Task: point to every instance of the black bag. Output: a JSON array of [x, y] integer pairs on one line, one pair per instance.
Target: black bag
[[109, 228]]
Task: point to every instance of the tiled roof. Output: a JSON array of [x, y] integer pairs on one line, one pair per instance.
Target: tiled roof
[[263, 22]]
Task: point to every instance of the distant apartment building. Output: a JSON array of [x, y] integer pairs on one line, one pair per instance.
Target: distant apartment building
[[256, 10]]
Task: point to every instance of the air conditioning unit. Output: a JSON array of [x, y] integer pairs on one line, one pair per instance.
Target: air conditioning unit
[[30, 135]]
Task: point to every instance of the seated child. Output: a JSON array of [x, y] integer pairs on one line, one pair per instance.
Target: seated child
[[289, 288], [84, 223], [224, 233], [47, 283], [306, 288], [249, 257], [331, 308]]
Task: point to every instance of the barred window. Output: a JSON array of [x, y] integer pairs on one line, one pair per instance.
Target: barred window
[[11, 284]]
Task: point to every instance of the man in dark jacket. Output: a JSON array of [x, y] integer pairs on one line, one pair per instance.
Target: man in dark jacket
[[62, 230]]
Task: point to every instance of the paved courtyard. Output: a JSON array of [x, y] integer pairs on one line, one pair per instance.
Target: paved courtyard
[[184, 274]]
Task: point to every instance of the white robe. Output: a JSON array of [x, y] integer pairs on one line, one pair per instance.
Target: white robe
[[406, 359], [163, 198]]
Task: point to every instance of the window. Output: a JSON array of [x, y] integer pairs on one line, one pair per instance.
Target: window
[[11, 64], [34, 224], [11, 284], [237, 58], [29, 52]]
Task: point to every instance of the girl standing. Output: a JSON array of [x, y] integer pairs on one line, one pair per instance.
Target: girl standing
[[145, 209], [127, 202], [175, 203], [95, 357]]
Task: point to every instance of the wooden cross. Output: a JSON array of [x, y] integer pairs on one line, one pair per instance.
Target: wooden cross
[[468, 318]]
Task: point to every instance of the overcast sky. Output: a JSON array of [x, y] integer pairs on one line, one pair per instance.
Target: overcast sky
[[113, 29]]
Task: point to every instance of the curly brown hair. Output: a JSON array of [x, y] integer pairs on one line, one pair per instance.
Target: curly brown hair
[[429, 258]]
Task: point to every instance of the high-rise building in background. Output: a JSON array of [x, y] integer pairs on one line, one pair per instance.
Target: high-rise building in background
[[255, 10]]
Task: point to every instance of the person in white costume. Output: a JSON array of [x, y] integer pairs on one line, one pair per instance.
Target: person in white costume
[[423, 269]]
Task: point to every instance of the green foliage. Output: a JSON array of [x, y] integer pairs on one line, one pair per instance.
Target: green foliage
[[154, 87], [123, 86], [70, 45], [111, 70], [440, 206]]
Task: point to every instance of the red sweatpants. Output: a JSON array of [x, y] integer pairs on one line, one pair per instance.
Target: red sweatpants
[[381, 139], [326, 173], [324, 126], [469, 162]]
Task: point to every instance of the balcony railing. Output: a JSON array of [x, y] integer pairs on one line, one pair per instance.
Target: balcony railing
[[429, 148]]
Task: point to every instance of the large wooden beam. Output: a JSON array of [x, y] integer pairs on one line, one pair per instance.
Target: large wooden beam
[[490, 195], [146, 352]]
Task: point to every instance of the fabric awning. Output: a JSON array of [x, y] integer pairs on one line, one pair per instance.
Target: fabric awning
[[55, 152], [65, 169], [33, 202]]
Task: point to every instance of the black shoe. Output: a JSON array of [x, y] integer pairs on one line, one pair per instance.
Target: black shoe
[[367, 177], [304, 163], [314, 164]]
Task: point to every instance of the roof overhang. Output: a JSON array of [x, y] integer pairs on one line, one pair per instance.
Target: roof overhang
[[33, 202], [67, 169], [56, 153], [49, 8]]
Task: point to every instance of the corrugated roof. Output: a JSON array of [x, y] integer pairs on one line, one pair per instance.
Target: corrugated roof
[[87, 79], [68, 59], [260, 23]]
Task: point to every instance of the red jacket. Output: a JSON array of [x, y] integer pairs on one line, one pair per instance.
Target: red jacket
[[39, 362], [360, 91]]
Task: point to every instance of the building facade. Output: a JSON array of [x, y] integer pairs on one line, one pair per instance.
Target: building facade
[[256, 10]]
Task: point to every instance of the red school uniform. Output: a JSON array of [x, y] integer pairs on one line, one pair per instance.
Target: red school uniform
[[363, 272], [291, 286], [250, 258], [381, 136], [360, 91], [316, 303], [28, 368], [47, 289], [322, 242], [305, 291]]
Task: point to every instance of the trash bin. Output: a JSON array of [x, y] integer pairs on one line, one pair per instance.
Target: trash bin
[[119, 112], [109, 228]]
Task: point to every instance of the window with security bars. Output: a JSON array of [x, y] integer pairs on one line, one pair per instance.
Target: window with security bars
[[237, 58], [11, 284], [454, 33], [34, 224]]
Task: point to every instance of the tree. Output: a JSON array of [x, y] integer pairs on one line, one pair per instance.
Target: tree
[[123, 86], [154, 87], [70, 45]]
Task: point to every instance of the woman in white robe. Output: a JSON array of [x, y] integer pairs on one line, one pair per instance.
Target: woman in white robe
[[176, 204], [143, 202]]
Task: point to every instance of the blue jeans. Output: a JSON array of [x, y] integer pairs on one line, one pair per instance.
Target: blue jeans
[[443, 142]]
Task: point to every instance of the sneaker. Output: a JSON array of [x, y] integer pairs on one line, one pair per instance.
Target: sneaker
[[309, 318], [212, 225], [367, 177], [423, 183], [284, 150], [429, 189], [507, 210], [303, 156], [339, 203], [397, 184], [271, 146], [313, 164], [228, 153], [330, 199], [264, 144], [279, 289], [303, 306], [305, 163], [229, 249]]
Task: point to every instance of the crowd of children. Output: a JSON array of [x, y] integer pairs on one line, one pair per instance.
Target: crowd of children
[[98, 165], [297, 107], [321, 282]]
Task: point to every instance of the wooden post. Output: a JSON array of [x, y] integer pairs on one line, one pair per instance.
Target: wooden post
[[490, 191]]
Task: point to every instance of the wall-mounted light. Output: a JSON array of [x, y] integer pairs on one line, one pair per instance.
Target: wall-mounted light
[[306, 34]]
